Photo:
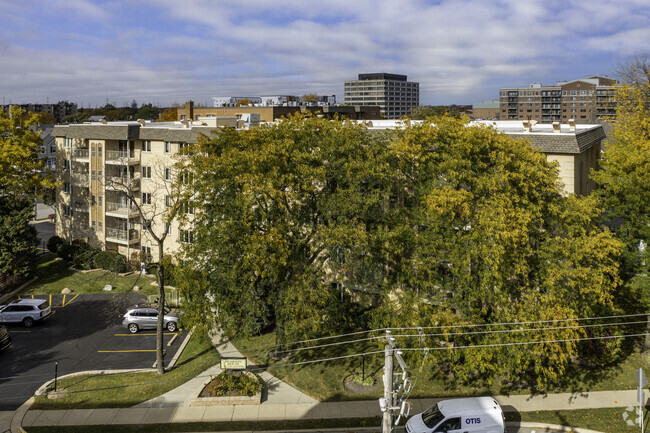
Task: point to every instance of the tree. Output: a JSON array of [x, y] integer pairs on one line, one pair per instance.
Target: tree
[[18, 238], [169, 114], [20, 142], [431, 225], [495, 241], [277, 206], [156, 208], [310, 98], [624, 174], [147, 112], [432, 111]]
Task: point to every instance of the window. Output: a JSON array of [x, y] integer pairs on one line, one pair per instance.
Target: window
[[146, 249], [99, 152], [168, 174], [100, 225], [67, 143], [182, 117], [146, 172], [146, 146], [146, 224], [573, 93], [168, 228], [67, 210], [186, 236], [188, 208], [92, 225], [92, 199], [146, 198], [168, 201], [67, 188], [186, 178], [168, 147], [583, 92], [182, 147], [52, 149], [66, 164], [100, 200]]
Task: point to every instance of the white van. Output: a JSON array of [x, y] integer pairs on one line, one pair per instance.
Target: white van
[[463, 415]]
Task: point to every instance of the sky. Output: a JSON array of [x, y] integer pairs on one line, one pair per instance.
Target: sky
[[169, 51]]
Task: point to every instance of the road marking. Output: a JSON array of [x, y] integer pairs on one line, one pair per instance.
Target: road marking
[[125, 351], [135, 335], [50, 299], [65, 304], [13, 332]]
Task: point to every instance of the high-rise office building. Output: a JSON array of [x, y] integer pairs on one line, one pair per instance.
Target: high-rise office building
[[394, 95], [587, 100]]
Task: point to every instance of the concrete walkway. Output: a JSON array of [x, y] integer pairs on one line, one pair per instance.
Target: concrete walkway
[[275, 391]]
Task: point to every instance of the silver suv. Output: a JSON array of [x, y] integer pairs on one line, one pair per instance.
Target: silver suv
[[25, 311], [137, 318]]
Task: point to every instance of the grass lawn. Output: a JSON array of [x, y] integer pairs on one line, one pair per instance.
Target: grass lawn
[[54, 275], [128, 389], [324, 380]]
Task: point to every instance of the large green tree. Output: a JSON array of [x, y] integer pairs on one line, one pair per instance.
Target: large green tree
[[441, 225], [21, 177], [624, 174]]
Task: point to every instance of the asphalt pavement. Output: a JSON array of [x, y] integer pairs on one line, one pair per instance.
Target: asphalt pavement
[[46, 230], [83, 333]]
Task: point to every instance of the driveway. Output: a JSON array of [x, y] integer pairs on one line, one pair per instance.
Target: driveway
[[45, 231], [83, 333]]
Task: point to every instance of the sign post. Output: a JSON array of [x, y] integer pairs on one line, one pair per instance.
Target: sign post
[[640, 394]]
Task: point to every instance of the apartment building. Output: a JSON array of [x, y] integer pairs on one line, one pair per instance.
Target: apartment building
[[106, 168], [394, 95], [587, 100], [58, 110]]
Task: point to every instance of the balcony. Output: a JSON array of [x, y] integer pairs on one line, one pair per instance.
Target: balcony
[[120, 210], [123, 237], [81, 155], [79, 179], [123, 157], [122, 183], [81, 205]]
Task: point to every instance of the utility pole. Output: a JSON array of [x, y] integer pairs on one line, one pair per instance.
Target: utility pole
[[387, 404]]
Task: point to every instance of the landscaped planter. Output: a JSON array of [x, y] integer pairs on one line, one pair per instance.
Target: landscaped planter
[[227, 400]]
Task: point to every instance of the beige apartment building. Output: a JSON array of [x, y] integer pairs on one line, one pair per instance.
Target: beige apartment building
[[106, 169], [393, 93], [117, 177], [587, 100]]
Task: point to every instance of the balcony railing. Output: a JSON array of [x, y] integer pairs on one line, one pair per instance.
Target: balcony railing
[[122, 155], [119, 208], [122, 182], [121, 234], [80, 179], [81, 153]]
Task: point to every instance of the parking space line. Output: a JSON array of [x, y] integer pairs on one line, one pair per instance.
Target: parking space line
[[68, 303], [136, 335], [126, 351], [14, 332]]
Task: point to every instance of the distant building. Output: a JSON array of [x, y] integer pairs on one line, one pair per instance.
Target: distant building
[[490, 110], [58, 110], [394, 95], [271, 101], [273, 112], [587, 100]]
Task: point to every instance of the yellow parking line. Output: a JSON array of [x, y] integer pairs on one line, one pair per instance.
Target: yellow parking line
[[63, 302], [125, 351], [50, 299], [32, 296], [135, 335], [13, 332]]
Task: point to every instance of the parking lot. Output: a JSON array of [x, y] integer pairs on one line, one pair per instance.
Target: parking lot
[[84, 333]]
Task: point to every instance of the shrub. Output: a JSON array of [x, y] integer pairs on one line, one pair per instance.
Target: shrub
[[84, 255], [53, 243], [233, 383], [110, 261], [66, 251]]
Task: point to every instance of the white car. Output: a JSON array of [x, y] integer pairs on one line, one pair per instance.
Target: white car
[[462, 415], [25, 311], [137, 318]]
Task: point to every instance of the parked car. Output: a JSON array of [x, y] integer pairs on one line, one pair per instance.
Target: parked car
[[25, 311], [137, 318], [5, 338]]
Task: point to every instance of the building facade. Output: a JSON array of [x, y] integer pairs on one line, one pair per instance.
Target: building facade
[[116, 179], [58, 110], [394, 95], [587, 100]]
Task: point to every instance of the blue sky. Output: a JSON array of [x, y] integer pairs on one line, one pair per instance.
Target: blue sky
[[166, 51]]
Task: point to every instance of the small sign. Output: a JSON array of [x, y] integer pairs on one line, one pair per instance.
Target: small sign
[[233, 363]]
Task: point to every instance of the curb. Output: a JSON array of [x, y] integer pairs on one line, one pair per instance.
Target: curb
[[43, 388], [179, 352], [17, 420], [13, 293], [550, 427]]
